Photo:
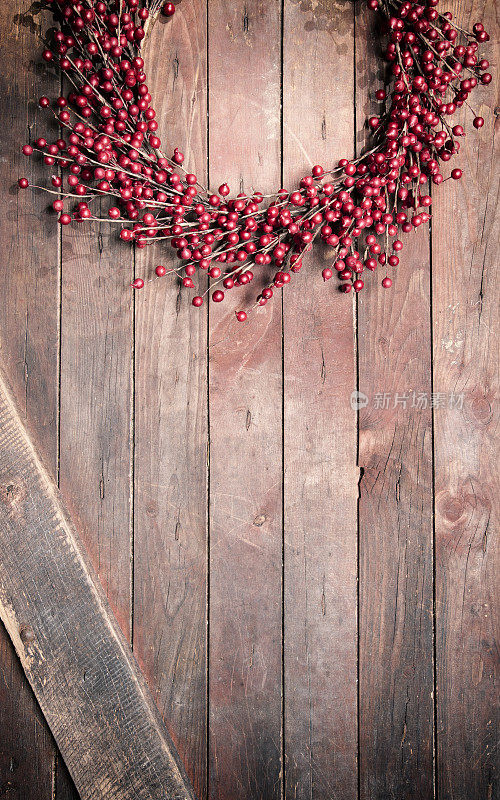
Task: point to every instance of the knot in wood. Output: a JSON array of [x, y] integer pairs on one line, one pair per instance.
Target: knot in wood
[[26, 634], [11, 495]]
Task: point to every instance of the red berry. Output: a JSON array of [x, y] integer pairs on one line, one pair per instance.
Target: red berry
[[327, 274], [241, 316], [478, 122], [218, 296], [27, 150], [387, 283], [160, 271], [169, 10], [23, 183], [65, 219], [138, 283], [456, 174], [197, 301]]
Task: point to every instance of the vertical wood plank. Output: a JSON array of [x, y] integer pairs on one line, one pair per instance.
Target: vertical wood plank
[[170, 614], [95, 411], [30, 281], [395, 507], [64, 788], [26, 744], [245, 663], [96, 384], [320, 432], [95, 429], [465, 315], [29, 310]]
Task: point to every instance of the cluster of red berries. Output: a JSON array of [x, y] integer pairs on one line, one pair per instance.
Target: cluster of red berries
[[108, 145]]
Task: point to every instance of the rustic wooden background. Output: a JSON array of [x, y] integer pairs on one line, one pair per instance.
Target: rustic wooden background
[[310, 592]]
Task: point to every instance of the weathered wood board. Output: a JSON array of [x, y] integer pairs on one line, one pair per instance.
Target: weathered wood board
[[465, 294], [396, 670], [245, 405], [89, 687], [29, 352], [320, 435], [170, 426]]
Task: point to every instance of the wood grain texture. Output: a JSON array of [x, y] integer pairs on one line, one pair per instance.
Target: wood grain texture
[[465, 229], [96, 386], [170, 532], [29, 310], [245, 665], [30, 278], [94, 429], [395, 508], [70, 646], [320, 433], [26, 745]]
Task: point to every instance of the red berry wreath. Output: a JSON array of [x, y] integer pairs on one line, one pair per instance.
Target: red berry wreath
[[110, 147]]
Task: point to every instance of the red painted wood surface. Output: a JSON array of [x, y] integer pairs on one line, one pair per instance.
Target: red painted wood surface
[[320, 474], [245, 405], [465, 357], [170, 426], [29, 312], [305, 637], [396, 677]]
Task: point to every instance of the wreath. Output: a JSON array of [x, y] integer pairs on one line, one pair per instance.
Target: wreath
[[108, 146]]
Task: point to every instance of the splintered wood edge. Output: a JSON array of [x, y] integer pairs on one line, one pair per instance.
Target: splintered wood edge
[[109, 732]]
